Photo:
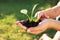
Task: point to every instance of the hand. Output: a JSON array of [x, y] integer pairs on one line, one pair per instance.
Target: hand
[[43, 26], [41, 15], [20, 25], [34, 30]]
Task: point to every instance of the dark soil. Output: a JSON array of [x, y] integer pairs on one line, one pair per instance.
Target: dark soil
[[30, 24]]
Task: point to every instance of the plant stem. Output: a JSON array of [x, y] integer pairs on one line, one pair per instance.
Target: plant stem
[[28, 17], [33, 10]]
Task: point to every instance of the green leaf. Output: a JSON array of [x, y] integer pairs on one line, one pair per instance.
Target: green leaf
[[33, 10], [35, 19]]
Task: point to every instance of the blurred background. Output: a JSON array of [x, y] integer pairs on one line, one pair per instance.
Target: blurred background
[[10, 13]]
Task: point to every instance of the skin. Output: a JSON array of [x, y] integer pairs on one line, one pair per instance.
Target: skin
[[47, 21], [44, 25]]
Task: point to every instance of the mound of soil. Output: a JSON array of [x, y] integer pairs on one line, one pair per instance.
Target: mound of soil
[[30, 24]]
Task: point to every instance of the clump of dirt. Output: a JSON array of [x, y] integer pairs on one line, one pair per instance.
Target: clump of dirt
[[29, 24]]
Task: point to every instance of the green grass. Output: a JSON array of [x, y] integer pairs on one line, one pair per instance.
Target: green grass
[[9, 14]]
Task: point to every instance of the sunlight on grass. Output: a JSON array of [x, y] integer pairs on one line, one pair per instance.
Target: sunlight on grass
[[9, 30]]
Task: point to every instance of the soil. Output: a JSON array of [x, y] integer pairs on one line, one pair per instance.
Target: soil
[[30, 24]]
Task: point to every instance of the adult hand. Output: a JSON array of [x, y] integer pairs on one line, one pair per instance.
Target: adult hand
[[20, 25], [43, 26], [35, 30], [41, 15]]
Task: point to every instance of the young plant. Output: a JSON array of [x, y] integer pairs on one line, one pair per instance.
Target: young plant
[[30, 18]]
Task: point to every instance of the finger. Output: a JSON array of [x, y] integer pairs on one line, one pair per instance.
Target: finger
[[37, 14], [20, 25], [46, 16], [40, 15], [34, 31]]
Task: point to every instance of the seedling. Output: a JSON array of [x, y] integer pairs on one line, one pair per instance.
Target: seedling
[[30, 18]]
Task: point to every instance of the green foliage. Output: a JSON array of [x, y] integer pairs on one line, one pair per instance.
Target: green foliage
[[34, 19], [30, 18]]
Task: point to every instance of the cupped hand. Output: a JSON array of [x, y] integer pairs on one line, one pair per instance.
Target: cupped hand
[[43, 26], [20, 25]]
